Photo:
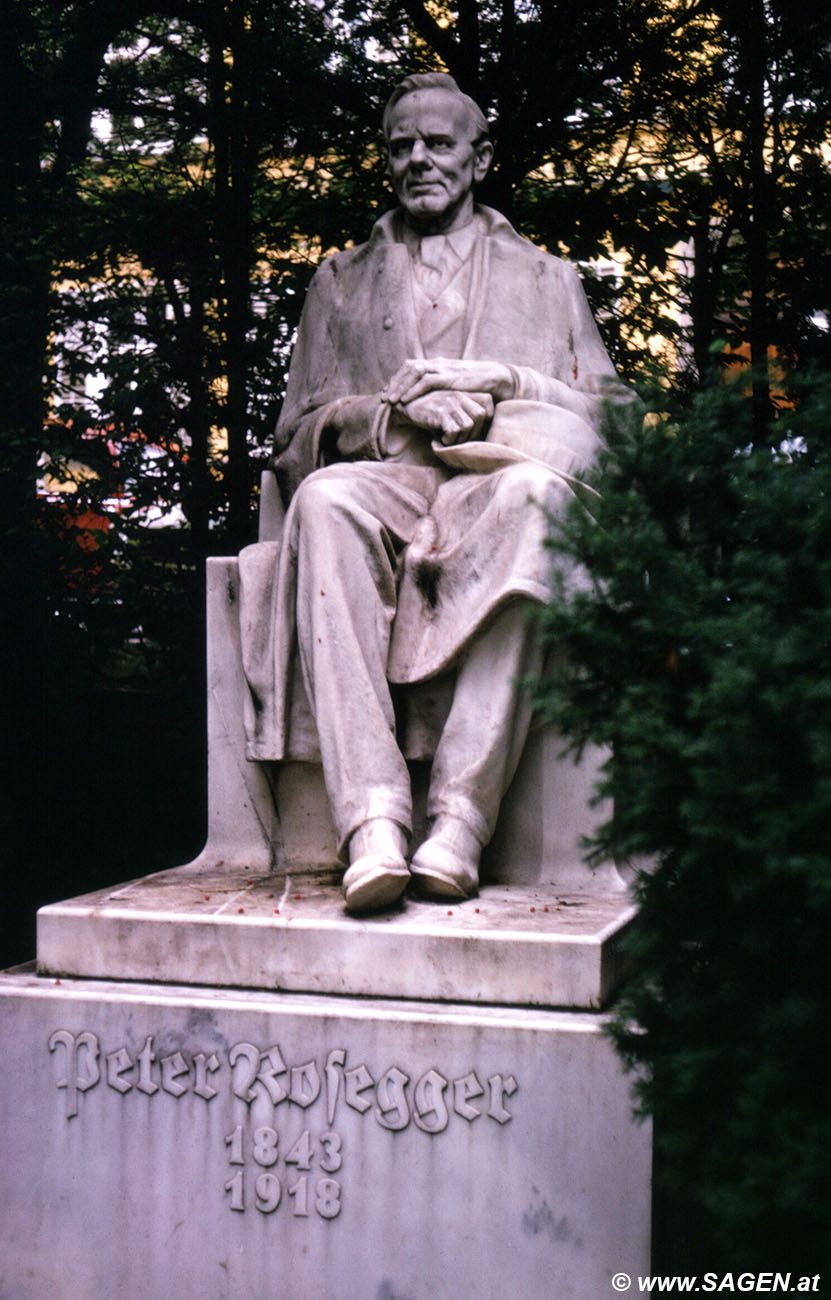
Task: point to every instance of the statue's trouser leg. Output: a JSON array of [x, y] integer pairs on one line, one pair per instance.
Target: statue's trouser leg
[[347, 525], [483, 738], [486, 730]]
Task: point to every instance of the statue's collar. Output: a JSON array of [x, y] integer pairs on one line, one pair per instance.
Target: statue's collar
[[389, 228], [461, 241]]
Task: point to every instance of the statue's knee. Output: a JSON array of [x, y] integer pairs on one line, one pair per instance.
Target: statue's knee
[[320, 498], [524, 483]]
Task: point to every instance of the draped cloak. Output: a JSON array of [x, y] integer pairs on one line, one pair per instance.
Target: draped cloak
[[527, 310]]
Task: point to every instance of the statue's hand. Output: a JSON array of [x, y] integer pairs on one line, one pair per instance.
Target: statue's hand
[[455, 417], [417, 377]]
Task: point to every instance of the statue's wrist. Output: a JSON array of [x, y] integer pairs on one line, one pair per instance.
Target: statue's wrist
[[507, 385]]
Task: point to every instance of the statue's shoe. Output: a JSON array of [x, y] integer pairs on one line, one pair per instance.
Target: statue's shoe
[[374, 881], [447, 864], [378, 873]]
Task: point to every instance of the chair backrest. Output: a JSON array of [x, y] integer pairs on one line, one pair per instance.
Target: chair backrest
[[272, 510]]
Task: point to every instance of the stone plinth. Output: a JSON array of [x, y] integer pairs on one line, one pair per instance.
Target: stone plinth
[[522, 945], [172, 1141]]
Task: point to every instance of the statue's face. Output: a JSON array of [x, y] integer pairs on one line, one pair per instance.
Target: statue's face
[[433, 162]]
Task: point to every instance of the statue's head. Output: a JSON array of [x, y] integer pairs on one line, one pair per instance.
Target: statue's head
[[437, 150]]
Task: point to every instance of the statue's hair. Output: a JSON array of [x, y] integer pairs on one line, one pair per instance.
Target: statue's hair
[[437, 81]]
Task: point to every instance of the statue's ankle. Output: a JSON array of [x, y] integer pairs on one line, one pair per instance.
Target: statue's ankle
[[457, 835], [378, 835]]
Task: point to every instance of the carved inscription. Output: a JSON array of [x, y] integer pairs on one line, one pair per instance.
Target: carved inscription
[[306, 1167], [83, 1065], [392, 1097], [294, 1163]]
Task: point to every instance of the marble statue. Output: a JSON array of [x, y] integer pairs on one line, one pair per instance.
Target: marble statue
[[445, 392]]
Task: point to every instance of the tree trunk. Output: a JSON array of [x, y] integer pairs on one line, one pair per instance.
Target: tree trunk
[[752, 34], [234, 181]]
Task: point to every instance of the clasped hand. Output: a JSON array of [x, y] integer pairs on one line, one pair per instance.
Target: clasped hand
[[448, 397]]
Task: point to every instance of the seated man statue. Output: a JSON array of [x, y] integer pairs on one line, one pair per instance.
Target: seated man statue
[[445, 389]]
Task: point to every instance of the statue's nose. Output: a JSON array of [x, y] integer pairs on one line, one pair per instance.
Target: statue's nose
[[418, 153]]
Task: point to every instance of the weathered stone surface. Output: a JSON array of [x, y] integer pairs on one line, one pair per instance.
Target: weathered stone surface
[[164, 1141], [534, 946]]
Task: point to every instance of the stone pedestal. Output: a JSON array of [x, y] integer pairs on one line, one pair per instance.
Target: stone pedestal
[[412, 1116], [179, 1141]]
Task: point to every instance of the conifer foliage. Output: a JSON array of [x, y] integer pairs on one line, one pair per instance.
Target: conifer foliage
[[699, 650]]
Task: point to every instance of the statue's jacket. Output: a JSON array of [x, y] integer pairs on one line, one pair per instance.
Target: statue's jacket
[[527, 310]]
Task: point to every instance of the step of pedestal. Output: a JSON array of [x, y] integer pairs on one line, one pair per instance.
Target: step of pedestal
[[511, 945]]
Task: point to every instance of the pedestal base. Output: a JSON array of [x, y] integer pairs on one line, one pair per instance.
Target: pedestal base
[[174, 1141]]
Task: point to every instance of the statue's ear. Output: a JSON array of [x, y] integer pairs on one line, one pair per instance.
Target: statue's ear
[[482, 160]]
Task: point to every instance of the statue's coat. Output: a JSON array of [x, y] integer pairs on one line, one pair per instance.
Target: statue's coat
[[527, 309]]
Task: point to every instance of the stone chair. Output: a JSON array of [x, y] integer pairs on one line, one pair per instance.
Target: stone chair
[[274, 817]]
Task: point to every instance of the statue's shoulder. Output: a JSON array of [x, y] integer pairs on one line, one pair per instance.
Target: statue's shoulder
[[524, 255], [356, 256]]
